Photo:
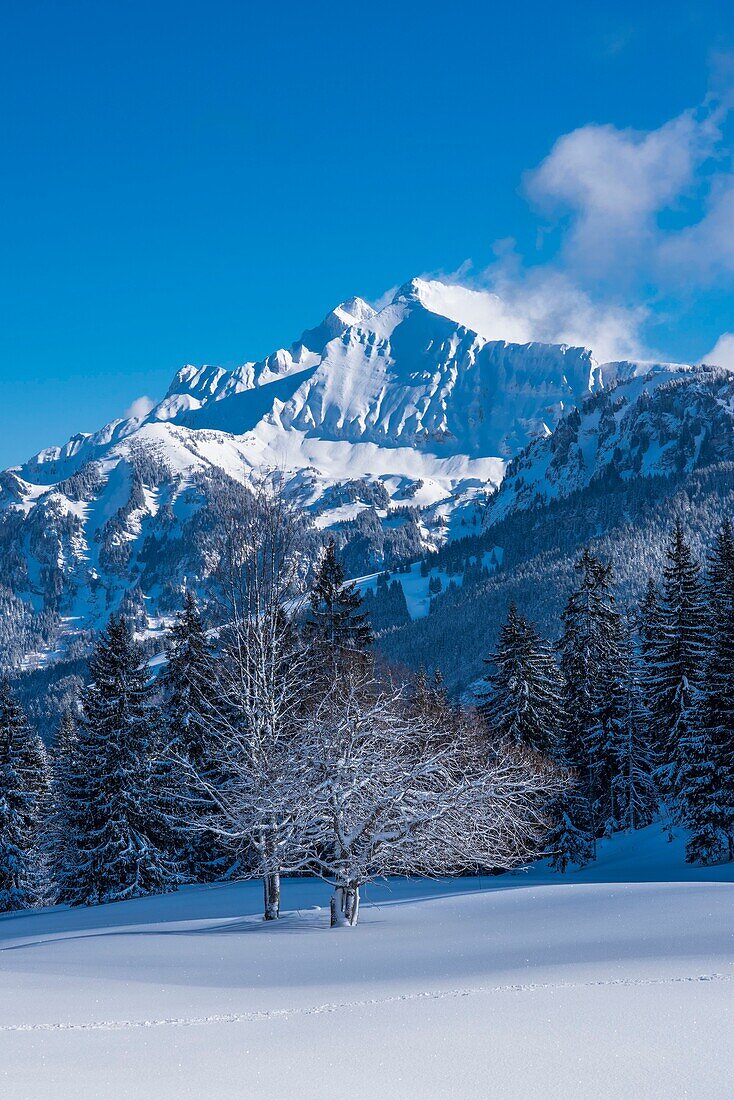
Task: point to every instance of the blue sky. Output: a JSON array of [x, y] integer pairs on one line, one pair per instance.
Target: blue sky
[[189, 182]]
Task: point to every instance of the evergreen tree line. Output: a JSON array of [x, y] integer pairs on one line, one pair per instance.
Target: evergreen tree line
[[272, 744], [629, 525], [639, 704], [267, 745]]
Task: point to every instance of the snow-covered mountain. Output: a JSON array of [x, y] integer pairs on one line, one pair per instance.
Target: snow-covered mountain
[[664, 422], [392, 426], [408, 375]]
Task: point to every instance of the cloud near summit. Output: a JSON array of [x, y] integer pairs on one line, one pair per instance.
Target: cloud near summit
[[614, 186], [634, 225], [139, 409]]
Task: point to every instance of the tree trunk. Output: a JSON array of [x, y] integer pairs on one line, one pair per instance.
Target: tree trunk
[[351, 904], [345, 905], [271, 892], [337, 907]]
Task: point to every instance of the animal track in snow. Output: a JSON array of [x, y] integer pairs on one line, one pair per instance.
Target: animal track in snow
[[370, 1002]]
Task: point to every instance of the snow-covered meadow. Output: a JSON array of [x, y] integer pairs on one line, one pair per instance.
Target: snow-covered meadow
[[616, 981]]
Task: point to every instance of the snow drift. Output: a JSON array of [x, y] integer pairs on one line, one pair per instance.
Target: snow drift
[[613, 981]]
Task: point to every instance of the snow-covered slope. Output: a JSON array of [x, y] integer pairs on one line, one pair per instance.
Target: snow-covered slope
[[410, 375], [615, 981], [664, 422], [397, 422]]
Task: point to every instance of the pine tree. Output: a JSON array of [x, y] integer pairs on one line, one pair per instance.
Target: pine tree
[[522, 703], [60, 833], [386, 607], [707, 785], [570, 839], [719, 678], [699, 806], [428, 704], [677, 667], [591, 661], [336, 624], [633, 786], [113, 804], [23, 789], [720, 574], [648, 625], [618, 747], [188, 683]]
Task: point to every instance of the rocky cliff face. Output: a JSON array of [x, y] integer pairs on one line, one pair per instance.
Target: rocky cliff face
[[390, 427]]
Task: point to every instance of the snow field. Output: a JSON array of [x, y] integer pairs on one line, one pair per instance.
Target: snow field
[[417, 596], [617, 981]]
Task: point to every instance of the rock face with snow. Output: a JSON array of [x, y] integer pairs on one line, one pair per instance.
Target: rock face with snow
[[664, 422], [392, 426]]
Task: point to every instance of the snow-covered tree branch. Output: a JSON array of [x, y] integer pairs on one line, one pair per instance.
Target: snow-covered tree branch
[[391, 794]]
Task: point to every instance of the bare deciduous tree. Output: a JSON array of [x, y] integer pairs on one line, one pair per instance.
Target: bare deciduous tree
[[260, 678], [390, 794], [350, 781]]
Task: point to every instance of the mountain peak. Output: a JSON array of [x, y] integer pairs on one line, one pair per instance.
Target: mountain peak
[[355, 309], [408, 414], [410, 291], [335, 323], [480, 311]]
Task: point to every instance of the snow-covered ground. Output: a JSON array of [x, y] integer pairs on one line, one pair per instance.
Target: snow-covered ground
[[617, 981], [415, 586]]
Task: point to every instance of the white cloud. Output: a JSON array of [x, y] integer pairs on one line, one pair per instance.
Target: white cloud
[[139, 409], [477, 308], [722, 353], [703, 253], [384, 299], [545, 304], [641, 218], [611, 185], [559, 311]]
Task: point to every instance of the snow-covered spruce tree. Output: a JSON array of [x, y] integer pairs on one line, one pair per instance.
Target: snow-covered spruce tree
[[677, 661], [706, 791], [718, 697], [387, 796], [719, 582], [648, 633], [336, 625], [591, 664], [570, 839], [634, 792], [23, 793], [113, 804], [188, 685], [262, 674], [699, 797], [621, 748], [60, 835], [522, 703], [428, 703]]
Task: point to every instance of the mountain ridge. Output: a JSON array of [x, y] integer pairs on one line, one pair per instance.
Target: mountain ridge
[[392, 427]]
